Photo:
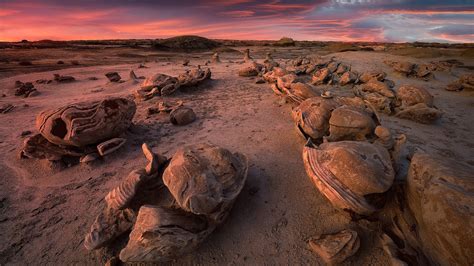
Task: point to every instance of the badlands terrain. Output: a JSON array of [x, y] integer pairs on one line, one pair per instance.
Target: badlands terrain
[[47, 208]]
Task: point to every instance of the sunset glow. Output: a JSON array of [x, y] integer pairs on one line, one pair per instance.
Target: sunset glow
[[324, 20]]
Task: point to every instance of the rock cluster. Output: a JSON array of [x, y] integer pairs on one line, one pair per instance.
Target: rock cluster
[[26, 89], [201, 184], [416, 103], [422, 71], [353, 160], [163, 85], [465, 82]]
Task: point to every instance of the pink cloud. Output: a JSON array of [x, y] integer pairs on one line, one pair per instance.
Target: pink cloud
[[238, 13]]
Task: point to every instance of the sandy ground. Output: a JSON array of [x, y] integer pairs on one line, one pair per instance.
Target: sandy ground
[[45, 212]]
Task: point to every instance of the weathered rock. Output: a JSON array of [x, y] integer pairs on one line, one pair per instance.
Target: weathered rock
[[5, 108], [378, 87], [367, 76], [404, 67], [348, 78], [440, 194], [251, 69], [465, 82], [89, 158], [133, 76], [247, 57], [39, 147], [283, 86], [408, 95], [43, 81], [299, 92], [215, 58], [206, 179], [327, 95], [63, 79], [24, 89], [269, 63], [422, 71], [420, 113], [336, 248], [342, 68], [84, 123], [321, 76], [349, 123], [109, 225], [379, 102], [384, 136], [182, 116], [392, 250], [113, 76], [312, 117], [194, 77], [119, 197], [352, 175], [157, 85], [167, 106], [161, 234], [272, 76], [389, 83], [110, 146], [332, 66]]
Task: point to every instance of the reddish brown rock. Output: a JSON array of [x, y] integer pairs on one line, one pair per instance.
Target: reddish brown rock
[[336, 248], [440, 194], [84, 123], [352, 175]]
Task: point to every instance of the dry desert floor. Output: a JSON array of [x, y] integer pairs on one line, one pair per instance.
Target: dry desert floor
[[45, 211]]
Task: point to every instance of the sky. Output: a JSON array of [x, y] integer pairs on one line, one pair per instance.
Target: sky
[[319, 20]]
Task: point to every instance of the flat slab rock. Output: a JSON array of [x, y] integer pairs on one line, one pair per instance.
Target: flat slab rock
[[336, 248]]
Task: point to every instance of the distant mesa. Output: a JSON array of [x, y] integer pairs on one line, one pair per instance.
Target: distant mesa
[[186, 42], [285, 41]]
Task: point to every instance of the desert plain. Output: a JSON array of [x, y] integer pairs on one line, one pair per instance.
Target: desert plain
[[47, 208]]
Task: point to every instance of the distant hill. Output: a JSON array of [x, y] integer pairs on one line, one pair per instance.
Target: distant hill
[[186, 42]]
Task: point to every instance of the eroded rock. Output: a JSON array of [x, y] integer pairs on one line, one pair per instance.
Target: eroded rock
[[465, 82], [440, 194], [352, 175], [321, 76], [336, 248], [84, 123], [194, 77], [349, 123], [157, 85], [63, 79], [206, 179], [113, 76], [250, 69], [109, 225], [312, 117], [161, 234], [24, 89], [182, 116]]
